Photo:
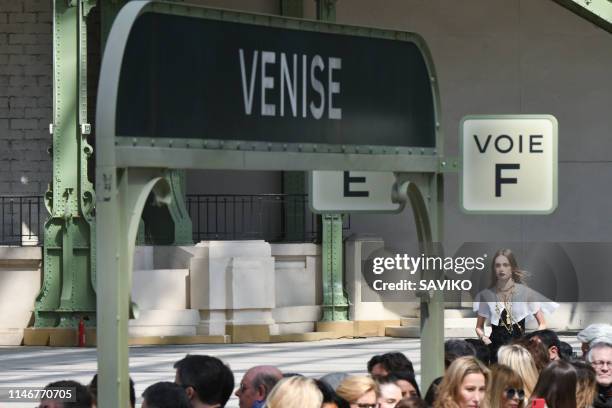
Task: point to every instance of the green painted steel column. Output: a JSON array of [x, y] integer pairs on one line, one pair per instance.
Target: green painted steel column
[[68, 288], [335, 303]]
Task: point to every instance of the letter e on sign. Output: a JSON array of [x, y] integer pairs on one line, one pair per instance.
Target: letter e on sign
[[508, 164]]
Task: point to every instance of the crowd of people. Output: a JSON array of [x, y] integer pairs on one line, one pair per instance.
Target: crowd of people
[[536, 370]]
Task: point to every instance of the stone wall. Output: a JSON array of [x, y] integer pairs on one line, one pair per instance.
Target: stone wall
[[25, 95]]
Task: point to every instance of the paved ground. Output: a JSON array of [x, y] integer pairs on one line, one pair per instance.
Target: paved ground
[[38, 366]]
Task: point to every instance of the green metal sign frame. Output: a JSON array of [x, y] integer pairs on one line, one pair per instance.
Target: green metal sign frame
[[129, 169]]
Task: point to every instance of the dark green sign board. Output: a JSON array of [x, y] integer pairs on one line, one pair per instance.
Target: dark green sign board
[[185, 77]]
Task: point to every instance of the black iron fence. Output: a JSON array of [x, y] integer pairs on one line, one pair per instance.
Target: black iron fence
[[22, 220], [270, 217]]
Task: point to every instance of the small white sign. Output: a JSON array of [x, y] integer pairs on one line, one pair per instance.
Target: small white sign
[[352, 191], [509, 164]]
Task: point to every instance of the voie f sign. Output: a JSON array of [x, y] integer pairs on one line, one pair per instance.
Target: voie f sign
[[509, 164]]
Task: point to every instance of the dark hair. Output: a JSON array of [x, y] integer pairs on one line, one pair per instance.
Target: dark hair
[[432, 392], [548, 337], [557, 385], [407, 376], [329, 395], [411, 403], [373, 361], [212, 380], [82, 396], [394, 361], [586, 383], [166, 395], [538, 351], [483, 353], [566, 351], [456, 348], [93, 390]]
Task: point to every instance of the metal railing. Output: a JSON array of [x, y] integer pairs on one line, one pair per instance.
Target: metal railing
[[22, 220], [270, 217]]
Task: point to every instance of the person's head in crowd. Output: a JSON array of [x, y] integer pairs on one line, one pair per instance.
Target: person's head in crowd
[[600, 357], [566, 351], [557, 385], [390, 392], [594, 333], [256, 384], [295, 392], [287, 375], [206, 380], [538, 351], [359, 391], [82, 397], [334, 379], [519, 359], [506, 388], [505, 257], [411, 403], [586, 385], [407, 383], [330, 398], [388, 362], [432, 392], [93, 390], [483, 353], [456, 348], [165, 395], [550, 340], [464, 384]]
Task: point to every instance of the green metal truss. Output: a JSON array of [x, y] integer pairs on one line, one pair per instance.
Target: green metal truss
[[68, 288]]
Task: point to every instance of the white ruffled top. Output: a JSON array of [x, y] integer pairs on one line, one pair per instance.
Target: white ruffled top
[[525, 303]]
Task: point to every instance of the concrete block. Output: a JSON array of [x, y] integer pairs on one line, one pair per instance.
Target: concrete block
[[186, 317], [291, 328], [143, 258], [292, 314], [372, 328], [146, 331], [178, 340], [19, 287], [157, 289], [248, 333], [312, 336], [341, 329], [229, 249], [36, 337], [280, 250], [296, 281], [11, 337], [62, 337], [251, 283]]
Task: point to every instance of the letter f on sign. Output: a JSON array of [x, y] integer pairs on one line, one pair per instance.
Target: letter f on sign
[[499, 180]]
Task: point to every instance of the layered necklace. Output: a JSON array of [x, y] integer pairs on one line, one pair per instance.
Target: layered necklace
[[505, 302]]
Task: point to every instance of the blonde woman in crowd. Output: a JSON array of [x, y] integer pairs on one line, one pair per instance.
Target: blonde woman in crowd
[[359, 391], [506, 388], [295, 392], [464, 385], [586, 386], [520, 360]]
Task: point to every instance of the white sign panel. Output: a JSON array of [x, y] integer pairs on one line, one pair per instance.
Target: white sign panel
[[352, 191], [509, 164]]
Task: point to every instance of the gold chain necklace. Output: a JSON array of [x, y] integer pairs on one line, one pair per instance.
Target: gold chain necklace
[[507, 305]]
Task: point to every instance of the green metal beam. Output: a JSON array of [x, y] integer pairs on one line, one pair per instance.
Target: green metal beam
[[335, 302], [68, 289], [598, 12]]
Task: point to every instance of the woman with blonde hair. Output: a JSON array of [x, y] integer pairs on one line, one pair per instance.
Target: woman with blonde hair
[[520, 360], [295, 392], [464, 385], [506, 388], [359, 391]]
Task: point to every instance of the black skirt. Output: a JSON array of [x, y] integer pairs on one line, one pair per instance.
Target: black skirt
[[500, 335]]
